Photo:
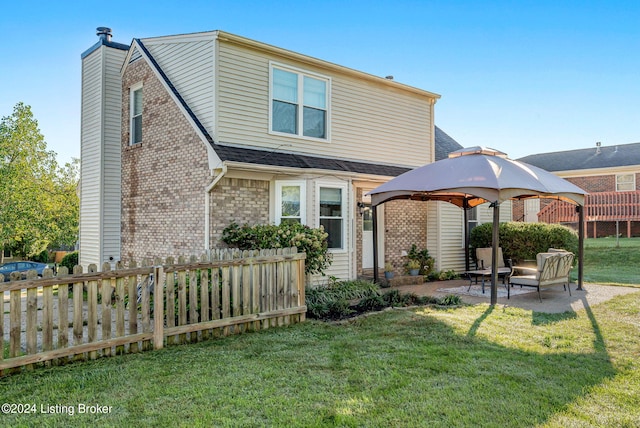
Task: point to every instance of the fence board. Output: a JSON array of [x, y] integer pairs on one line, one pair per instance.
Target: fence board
[[105, 294], [145, 305], [193, 296], [204, 296], [120, 308], [182, 298], [227, 291], [171, 297], [132, 282], [63, 309], [78, 299], [92, 311]]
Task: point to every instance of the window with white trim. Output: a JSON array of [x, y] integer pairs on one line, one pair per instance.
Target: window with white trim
[[625, 182], [299, 103], [135, 114], [331, 210], [290, 202]]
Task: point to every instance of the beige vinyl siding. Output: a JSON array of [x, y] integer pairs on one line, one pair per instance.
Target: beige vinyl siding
[[112, 134], [485, 213], [189, 65], [368, 121], [100, 154], [445, 235], [91, 155]]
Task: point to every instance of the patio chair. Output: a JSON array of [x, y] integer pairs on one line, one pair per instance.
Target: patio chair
[[483, 266], [551, 268]]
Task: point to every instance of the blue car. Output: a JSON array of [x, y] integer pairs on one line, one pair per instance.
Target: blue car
[[23, 267]]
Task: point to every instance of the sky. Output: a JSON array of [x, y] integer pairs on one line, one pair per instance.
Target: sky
[[523, 77]]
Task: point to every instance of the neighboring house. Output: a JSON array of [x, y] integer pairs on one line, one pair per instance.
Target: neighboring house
[[610, 174], [184, 134]]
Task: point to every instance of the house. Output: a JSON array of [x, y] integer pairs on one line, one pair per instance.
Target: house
[[611, 175], [184, 134]]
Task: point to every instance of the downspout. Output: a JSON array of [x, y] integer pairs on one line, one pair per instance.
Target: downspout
[[207, 206]]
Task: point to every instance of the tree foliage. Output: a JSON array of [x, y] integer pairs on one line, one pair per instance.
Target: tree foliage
[[38, 200]]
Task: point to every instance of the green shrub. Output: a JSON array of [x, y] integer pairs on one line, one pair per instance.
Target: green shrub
[[42, 257], [332, 301], [311, 241], [420, 258], [522, 241], [372, 302], [450, 300], [70, 260]]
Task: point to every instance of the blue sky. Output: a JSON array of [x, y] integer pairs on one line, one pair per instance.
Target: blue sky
[[523, 77]]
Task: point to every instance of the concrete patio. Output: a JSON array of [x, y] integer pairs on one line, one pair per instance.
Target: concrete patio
[[554, 298]]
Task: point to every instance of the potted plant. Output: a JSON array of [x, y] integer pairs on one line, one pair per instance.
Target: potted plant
[[414, 267], [388, 270]]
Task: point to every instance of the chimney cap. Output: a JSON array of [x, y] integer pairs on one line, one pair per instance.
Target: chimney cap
[[104, 33]]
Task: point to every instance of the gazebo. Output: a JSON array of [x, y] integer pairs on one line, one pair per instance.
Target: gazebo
[[473, 176]]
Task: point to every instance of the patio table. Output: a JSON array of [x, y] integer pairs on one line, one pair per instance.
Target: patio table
[[482, 273]]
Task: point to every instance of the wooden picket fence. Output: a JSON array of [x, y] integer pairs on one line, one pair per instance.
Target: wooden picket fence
[[54, 320]]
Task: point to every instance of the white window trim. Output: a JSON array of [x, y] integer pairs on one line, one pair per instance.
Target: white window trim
[[633, 182], [303, 199], [300, 72], [132, 89], [345, 212]]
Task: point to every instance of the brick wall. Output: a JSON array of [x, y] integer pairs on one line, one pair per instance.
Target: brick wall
[[405, 225], [239, 200], [599, 183], [163, 178]]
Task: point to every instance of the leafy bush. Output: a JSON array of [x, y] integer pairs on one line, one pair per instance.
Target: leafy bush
[[443, 275], [332, 300], [373, 302], [70, 260], [450, 300], [42, 257], [419, 258], [311, 241], [522, 241]]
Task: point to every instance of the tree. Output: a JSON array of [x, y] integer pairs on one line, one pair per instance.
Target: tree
[[38, 202]]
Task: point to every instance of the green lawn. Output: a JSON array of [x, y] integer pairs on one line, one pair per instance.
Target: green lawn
[[468, 366], [607, 261]]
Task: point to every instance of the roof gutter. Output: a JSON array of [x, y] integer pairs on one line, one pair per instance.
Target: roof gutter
[[207, 206]]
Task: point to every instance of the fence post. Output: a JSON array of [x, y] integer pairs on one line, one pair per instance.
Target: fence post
[[158, 308]]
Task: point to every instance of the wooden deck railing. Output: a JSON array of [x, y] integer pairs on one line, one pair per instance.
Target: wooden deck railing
[[602, 206], [87, 315]]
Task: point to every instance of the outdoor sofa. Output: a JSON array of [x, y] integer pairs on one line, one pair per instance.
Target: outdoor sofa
[[552, 267]]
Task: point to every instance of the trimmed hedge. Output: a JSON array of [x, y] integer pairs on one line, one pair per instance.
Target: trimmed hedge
[[70, 260], [522, 241]]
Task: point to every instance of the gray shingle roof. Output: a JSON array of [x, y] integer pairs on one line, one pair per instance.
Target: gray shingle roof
[[294, 160], [444, 144], [607, 157]]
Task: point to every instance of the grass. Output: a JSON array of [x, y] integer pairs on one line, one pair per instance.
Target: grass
[[607, 261], [468, 366]]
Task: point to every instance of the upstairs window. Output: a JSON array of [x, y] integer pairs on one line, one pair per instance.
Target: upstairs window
[[299, 103], [136, 114], [625, 182]]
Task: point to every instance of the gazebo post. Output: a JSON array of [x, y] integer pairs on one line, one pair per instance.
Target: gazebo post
[[580, 209], [374, 217], [465, 208], [495, 242]]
